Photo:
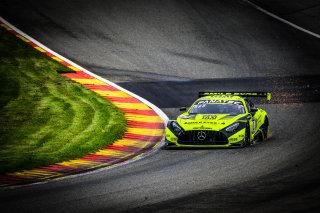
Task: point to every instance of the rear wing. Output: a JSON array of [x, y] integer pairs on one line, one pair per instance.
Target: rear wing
[[242, 94]]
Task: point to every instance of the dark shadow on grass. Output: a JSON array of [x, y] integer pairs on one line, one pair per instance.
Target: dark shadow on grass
[[9, 89]]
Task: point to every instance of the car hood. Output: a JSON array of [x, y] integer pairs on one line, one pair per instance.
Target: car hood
[[214, 122]]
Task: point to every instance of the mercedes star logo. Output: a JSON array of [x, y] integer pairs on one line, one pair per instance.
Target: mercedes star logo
[[201, 135]]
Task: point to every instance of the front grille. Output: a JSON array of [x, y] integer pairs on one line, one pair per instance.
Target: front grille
[[202, 137]]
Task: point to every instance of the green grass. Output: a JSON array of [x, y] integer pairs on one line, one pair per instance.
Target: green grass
[[46, 118]]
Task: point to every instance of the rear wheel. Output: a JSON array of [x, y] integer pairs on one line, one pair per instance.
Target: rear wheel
[[265, 129]]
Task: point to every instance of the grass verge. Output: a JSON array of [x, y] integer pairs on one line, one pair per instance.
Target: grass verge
[[45, 117]]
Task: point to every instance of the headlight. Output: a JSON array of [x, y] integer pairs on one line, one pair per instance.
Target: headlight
[[188, 116], [176, 128], [232, 127]]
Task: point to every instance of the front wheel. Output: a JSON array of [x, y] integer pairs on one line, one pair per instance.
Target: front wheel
[[168, 145], [246, 140]]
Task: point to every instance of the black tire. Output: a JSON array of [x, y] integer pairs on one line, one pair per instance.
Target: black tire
[[246, 141], [265, 129], [167, 145]]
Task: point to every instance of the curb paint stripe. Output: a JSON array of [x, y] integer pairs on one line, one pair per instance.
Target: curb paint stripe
[[145, 131], [78, 75], [143, 118], [145, 125], [117, 94], [140, 112], [123, 100], [101, 87], [135, 106]]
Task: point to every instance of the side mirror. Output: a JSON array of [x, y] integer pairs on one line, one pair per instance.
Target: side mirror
[[183, 109]]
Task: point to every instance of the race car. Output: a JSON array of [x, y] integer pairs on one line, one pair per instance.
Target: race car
[[220, 119]]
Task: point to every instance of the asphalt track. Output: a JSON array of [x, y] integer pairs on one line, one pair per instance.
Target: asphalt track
[[168, 50]]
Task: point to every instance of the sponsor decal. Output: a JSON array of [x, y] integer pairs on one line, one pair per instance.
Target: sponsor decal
[[192, 122], [217, 102], [202, 122], [201, 128], [233, 139], [209, 117], [209, 122]]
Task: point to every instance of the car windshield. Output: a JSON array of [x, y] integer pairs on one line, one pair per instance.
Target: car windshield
[[214, 107]]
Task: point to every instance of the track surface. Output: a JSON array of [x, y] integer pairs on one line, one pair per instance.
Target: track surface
[[151, 41]]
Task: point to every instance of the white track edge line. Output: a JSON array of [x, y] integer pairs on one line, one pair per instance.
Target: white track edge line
[[94, 171], [283, 20]]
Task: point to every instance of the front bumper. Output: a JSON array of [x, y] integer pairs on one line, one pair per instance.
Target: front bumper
[[213, 139]]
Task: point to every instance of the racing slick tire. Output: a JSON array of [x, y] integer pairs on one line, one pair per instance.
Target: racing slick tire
[[168, 145], [265, 129], [246, 141]]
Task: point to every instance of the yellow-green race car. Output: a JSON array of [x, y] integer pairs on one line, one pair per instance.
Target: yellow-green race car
[[220, 119]]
